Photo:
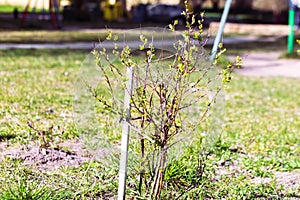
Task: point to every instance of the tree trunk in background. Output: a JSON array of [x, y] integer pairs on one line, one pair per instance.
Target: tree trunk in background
[[278, 7], [242, 5], [124, 7], [279, 11], [197, 5], [77, 1], [215, 4]]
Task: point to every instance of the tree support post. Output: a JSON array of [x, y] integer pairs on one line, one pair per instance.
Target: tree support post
[[125, 135]]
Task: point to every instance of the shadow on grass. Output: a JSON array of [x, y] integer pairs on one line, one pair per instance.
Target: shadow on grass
[[6, 136], [40, 52]]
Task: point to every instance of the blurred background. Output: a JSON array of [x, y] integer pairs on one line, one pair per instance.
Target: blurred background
[[68, 14]]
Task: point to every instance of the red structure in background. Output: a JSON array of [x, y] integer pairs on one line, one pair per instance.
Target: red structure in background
[[53, 11]]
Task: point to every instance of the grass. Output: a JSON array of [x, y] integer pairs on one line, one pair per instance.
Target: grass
[[10, 8], [261, 135], [51, 36], [36, 86], [258, 131], [293, 55], [26, 36], [89, 35], [6, 8]]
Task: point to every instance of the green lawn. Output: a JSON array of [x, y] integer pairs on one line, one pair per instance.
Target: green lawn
[[4, 8], [260, 138], [51, 36]]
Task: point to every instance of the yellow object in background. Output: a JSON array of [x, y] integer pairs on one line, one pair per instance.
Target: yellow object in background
[[112, 10]]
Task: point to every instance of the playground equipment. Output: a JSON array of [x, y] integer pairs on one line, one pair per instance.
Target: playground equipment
[[221, 29], [292, 6], [53, 12], [290, 46], [112, 10]]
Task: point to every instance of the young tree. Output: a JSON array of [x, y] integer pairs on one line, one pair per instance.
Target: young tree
[[172, 95]]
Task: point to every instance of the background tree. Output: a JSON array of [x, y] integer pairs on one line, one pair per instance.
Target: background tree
[[278, 7], [242, 5], [215, 4]]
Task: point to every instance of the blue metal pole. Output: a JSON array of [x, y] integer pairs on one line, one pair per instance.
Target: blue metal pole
[[221, 29]]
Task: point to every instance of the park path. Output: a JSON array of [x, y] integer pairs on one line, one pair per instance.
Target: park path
[[262, 64], [255, 63], [91, 45]]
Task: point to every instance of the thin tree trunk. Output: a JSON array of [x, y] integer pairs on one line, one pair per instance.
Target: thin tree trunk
[[142, 172], [158, 181]]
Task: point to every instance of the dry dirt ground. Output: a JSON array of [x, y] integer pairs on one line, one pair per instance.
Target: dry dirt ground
[[68, 154]]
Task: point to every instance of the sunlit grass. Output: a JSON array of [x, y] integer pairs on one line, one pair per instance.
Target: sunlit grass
[[261, 132], [263, 120], [55, 36], [51, 36], [5, 8], [37, 85]]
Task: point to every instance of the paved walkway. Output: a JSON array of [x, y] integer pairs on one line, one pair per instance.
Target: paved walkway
[[268, 64], [75, 45], [91, 45], [255, 63]]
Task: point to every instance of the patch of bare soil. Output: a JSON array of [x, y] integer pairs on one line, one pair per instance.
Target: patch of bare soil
[[69, 154], [288, 180]]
